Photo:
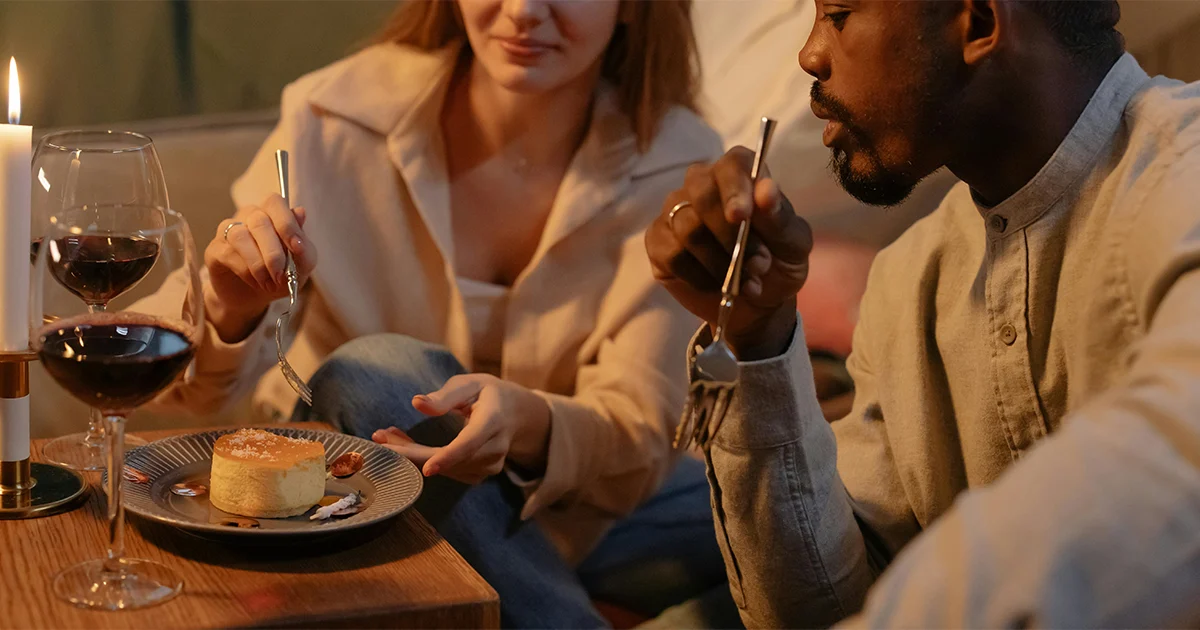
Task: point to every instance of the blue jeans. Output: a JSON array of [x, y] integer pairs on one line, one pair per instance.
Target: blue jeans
[[664, 554]]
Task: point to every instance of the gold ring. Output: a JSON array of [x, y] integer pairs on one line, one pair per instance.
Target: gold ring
[[679, 206], [225, 234]]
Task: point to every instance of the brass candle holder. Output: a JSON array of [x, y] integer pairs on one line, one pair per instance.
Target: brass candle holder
[[32, 489]]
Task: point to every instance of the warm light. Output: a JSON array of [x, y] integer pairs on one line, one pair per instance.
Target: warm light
[[14, 93]]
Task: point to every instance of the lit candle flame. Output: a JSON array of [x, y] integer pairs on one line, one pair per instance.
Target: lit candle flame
[[14, 93]]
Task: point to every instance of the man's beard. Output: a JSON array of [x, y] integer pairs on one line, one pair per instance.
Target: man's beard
[[879, 185]]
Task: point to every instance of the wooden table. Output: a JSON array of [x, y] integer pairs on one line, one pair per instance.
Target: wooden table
[[399, 575]]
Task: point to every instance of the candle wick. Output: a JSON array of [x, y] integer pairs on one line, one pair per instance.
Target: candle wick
[[14, 119]]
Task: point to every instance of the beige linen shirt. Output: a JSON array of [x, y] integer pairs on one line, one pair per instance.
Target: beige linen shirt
[[586, 325], [1028, 396]]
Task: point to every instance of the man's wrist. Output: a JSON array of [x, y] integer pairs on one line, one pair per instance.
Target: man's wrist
[[772, 338]]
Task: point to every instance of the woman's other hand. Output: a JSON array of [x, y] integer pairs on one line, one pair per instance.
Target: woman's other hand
[[505, 423]]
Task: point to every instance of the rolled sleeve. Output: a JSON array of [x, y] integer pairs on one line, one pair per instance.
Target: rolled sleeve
[[762, 381], [573, 426], [223, 372], [794, 553]]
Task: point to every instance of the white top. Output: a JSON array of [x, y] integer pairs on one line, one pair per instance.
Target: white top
[[486, 307]]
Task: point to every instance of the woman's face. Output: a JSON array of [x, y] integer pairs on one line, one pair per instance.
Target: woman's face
[[536, 46]]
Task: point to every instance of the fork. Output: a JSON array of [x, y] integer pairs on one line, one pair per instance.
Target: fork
[[293, 282], [716, 369]]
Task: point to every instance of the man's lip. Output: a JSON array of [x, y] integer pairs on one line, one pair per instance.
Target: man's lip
[[820, 111], [832, 130]]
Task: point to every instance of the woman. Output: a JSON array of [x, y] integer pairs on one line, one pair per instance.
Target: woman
[[479, 182]]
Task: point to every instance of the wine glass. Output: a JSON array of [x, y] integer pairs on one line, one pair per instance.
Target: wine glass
[[76, 168], [117, 358]]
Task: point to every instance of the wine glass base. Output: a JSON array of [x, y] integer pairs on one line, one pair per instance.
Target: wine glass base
[[72, 451], [138, 583]]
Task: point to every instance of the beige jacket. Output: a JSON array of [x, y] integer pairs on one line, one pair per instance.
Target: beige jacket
[[587, 326]]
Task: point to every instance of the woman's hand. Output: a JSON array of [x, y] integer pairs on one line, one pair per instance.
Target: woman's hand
[[504, 423], [247, 262]]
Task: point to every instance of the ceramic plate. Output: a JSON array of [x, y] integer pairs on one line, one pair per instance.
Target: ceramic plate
[[388, 482]]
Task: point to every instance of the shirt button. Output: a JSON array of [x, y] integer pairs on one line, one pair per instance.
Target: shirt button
[[1008, 334], [997, 223]]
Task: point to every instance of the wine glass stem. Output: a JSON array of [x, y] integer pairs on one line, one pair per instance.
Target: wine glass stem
[[95, 431], [115, 437]]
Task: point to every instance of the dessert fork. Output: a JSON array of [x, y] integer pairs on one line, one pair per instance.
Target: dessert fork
[[716, 369], [293, 282]]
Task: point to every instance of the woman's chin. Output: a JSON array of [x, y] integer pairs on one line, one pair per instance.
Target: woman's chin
[[526, 80]]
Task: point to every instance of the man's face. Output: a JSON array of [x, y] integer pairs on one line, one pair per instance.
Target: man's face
[[885, 83]]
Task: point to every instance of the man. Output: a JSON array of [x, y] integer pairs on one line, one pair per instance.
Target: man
[[1027, 359]]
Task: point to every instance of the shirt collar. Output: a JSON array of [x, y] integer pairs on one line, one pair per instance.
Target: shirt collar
[[1075, 156]]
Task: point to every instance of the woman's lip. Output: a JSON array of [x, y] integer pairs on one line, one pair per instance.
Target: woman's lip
[[525, 48]]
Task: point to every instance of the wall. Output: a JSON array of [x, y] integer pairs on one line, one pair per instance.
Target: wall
[[1176, 54], [87, 62]]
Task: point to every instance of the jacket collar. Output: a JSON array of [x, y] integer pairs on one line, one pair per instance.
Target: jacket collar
[[386, 87]]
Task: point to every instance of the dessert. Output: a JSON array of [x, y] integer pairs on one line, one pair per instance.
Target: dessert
[[265, 475]]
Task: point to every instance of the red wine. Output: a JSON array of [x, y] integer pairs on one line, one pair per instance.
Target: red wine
[[115, 362], [99, 268]]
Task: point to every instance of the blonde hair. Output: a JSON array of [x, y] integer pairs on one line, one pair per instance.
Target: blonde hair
[[651, 58]]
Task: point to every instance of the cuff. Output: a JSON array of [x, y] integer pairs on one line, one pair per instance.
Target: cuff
[[215, 355], [772, 398], [526, 484], [576, 432], [226, 361]]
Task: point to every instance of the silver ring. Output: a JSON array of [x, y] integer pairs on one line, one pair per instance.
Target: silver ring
[[679, 206], [225, 235]]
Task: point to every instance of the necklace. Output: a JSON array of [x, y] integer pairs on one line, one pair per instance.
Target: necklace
[[520, 165]]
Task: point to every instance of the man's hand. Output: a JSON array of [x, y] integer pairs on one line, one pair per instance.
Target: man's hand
[[690, 252]]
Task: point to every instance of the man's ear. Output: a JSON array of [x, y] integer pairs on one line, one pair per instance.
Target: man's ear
[[980, 24]]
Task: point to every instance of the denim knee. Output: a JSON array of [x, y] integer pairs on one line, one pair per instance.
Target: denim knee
[[368, 383]]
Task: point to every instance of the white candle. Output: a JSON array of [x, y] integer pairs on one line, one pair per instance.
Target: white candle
[[16, 152], [16, 147]]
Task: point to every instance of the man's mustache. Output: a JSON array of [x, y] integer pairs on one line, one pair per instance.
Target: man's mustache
[[836, 108]]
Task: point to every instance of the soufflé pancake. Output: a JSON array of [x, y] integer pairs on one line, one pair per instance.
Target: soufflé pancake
[[264, 475]]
